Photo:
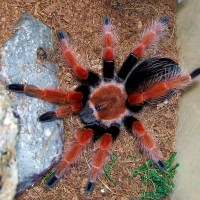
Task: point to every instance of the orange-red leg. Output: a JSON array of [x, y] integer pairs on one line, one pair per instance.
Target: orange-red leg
[[60, 112], [149, 36], [69, 56], [82, 138], [49, 94], [108, 49], [99, 160], [146, 140], [159, 90]]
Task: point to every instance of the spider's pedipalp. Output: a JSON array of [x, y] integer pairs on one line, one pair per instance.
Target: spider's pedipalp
[[145, 139], [82, 138], [108, 49], [60, 112]]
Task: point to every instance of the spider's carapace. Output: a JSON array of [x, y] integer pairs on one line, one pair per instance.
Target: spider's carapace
[[106, 104]]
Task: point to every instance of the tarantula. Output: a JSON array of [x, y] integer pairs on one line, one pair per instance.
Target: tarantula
[[108, 103]]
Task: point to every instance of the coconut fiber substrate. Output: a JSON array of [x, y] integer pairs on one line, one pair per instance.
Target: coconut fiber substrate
[[82, 21]]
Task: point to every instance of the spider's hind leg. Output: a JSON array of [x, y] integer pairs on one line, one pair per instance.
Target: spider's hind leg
[[146, 140], [82, 138], [105, 143]]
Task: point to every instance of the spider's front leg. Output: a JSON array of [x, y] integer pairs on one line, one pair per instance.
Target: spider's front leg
[[149, 36], [146, 140], [72, 61]]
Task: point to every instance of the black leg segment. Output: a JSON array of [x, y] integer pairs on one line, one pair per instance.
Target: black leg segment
[[108, 70], [19, 88], [127, 66]]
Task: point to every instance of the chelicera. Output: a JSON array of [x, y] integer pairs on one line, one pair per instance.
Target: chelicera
[[106, 104]]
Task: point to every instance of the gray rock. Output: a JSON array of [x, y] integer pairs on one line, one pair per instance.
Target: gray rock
[[8, 138], [40, 144]]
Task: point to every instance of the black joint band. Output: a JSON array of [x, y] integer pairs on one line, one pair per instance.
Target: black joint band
[[85, 90], [98, 131], [108, 69], [128, 122], [92, 79], [127, 66], [114, 131], [134, 109]]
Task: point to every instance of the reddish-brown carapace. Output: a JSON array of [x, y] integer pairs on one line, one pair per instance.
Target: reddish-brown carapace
[[107, 103]]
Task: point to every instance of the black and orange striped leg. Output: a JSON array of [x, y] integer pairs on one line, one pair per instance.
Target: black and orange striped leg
[[82, 138], [105, 143], [71, 59], [108, 49], [52, 95], [145, 140], [148, 38], [160, 89]]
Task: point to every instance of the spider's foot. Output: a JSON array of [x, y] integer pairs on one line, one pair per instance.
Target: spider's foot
[[195, 73], [164, 19], [61, 35], [47, 117], [161, 165], [106, 20], [89, 187], [51, 181], [19, 88]]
